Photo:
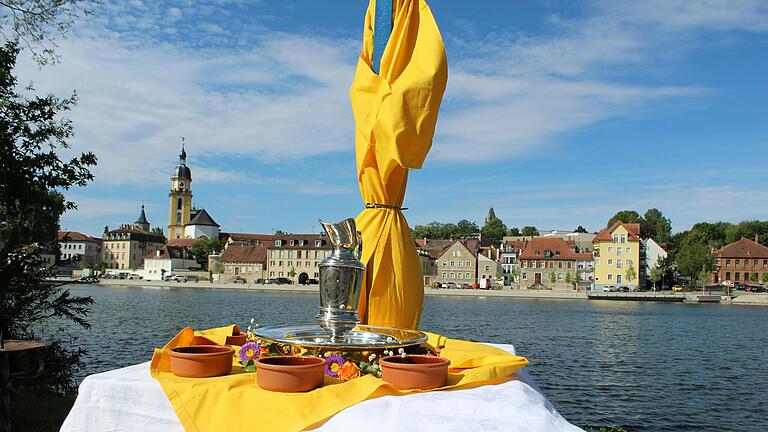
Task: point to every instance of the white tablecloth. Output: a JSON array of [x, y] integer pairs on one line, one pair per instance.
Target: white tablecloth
[[128, 399]]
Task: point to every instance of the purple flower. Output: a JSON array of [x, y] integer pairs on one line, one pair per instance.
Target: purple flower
[[249, 351], [332, 365]]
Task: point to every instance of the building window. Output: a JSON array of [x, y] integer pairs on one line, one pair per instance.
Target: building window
[[533, 264], [293, 242], [569, 264], [461, 263], [453, 263], [618, 278], [298, 254], [318, 243], [525, 276], [279, 273], [597, 261], [765, 263], [456, 253], [278, 242], [623, 239], [559, 264], [271, 263], [610, 261], [559, 276], [727, 263], [487, 268], [615, 238], [618, 251], [727, 275], [618, 263], [298, 263], [453, 275], [445, 263], [610, 277], [737, 263], [468, 276], [629, 249], [306, 263], [280, 263], [445, 275], [610, 249], [461, 275], [469, 264], [746, 276], [736, 277]]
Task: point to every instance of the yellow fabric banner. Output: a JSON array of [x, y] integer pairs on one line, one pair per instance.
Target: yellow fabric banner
[[232, 402], [395, 114]]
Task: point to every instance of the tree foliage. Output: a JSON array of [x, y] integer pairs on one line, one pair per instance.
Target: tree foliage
[[580, 229], [34, 24], [32, 176], [204, 247], [654, 225], [514, 232], [626, 216], [530, 231], [438, 230], [494, 231], [695, 258]]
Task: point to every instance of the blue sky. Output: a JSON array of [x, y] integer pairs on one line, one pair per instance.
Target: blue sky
[[557, 113]]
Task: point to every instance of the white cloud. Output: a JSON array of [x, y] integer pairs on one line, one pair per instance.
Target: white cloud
[[285, 96]]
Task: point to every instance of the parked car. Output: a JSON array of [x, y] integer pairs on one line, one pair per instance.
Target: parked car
[[475, 285], [449, 285], [179, 278], [312, 282], [168, 277], [623, 288], [677, 288], [260, 281], [754, 288], [133, 276], [271, 281], [283, 280], [238, 279], [738, 286]]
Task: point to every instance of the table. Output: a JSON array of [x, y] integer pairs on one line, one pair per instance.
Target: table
[[129, 399]]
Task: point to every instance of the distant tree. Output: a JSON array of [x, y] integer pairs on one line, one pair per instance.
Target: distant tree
[[158, 230], [764, 278], [280, 232], [753, 277], [631, 273], [580, 229], [655, 276], [515, 272], [494, 231], [695, 258], [530, 231], [292, 272], [747, 229], [568, 278], [553, 278], [626, 216], [654, 225], [514, 232], [204, 247], [219, 267], [438, 230]]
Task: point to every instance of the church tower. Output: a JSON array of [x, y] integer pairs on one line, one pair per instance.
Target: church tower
[[180, 197]]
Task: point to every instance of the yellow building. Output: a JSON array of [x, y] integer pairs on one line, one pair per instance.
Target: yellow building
[[618, 257], [180, 198]]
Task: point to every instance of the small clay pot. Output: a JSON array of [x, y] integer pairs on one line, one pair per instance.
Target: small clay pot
[[236, 339], [290, 374], [421, 372], [201, 361]]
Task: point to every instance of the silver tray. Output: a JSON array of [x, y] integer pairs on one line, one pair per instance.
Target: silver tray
[[361, 338]]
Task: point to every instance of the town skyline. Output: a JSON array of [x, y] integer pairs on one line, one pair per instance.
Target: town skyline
[[554, 113]]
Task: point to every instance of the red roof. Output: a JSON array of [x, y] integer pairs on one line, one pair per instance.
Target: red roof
[[607, 234], [248, 236], [744, 248], [74, 236], [434, 248], [558, 249], [240, 253], [171, 252]]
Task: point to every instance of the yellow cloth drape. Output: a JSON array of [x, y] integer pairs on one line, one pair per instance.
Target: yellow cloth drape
[[395, 114], [235, 401]]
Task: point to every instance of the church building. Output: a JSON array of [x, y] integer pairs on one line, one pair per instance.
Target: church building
[[184, 220]]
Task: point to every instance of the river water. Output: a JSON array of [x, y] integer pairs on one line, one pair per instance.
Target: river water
[[646, 366]]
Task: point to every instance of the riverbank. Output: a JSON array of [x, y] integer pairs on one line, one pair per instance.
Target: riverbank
[[555, 295], [753, 299]]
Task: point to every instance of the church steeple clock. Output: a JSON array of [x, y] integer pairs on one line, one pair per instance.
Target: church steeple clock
[[180, 197]]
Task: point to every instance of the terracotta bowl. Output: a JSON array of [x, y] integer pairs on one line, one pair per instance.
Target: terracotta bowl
[[414, 371], [290, 374], [236, 339], [201, 361]]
